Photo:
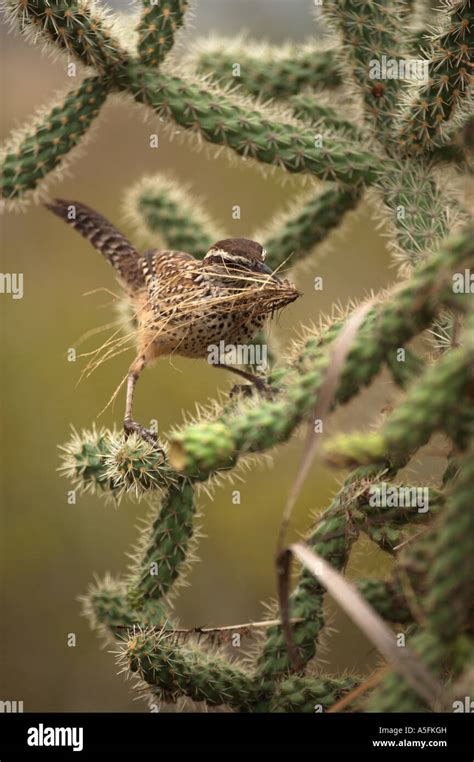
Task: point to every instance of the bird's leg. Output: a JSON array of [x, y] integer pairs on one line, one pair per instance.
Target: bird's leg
[[129, 425], [260, 384]]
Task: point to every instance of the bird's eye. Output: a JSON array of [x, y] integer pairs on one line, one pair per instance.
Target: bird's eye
[[264, 254]]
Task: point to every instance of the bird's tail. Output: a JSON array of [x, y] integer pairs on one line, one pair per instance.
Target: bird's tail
[[104, 236]]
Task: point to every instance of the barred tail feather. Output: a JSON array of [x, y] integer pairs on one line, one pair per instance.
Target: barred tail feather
[[104, 236]]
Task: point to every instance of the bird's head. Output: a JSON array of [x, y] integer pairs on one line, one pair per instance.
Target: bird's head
[[238, 265], [237, 256]]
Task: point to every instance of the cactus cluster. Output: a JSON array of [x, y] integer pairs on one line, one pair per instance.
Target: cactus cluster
[[387, 137]]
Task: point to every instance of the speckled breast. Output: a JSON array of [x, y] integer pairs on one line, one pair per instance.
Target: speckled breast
[[193, 337]]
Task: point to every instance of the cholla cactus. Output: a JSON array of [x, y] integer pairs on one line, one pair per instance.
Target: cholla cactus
[[393, 139]]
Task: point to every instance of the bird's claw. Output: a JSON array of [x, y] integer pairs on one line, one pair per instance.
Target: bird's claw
[[147, 434], [247, 390]]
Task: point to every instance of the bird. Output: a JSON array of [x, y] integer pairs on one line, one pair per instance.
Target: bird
[[182, 304]]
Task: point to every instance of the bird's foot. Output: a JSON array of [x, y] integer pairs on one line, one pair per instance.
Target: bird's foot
[[244, 390], [248, 390], [147, 434], [263, 388]]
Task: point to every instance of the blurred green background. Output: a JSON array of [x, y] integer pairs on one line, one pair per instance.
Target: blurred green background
[[50, 550]]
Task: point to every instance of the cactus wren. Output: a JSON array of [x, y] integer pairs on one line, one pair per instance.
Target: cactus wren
[[183, 304]]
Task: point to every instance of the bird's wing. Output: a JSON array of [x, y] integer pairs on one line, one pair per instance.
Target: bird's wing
[[170, 281]]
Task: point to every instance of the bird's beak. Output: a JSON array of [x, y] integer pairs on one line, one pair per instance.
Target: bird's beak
[[265, 269]]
